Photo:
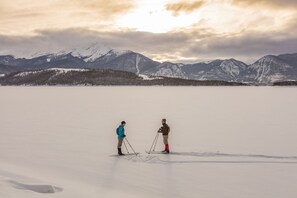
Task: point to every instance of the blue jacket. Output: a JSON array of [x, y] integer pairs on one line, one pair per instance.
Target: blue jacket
[[121, 132]]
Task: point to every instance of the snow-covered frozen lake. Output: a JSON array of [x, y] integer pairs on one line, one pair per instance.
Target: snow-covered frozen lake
[[228, 142]]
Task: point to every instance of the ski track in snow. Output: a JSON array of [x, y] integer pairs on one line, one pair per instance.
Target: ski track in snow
[[156, 158], [217, 154]]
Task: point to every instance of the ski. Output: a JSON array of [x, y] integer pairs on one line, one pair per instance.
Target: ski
[[156, 152], [126, 154]]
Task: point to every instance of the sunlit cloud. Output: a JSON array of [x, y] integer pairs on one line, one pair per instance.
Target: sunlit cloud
[[25, 16], [184, 6], [106, 8], [280, 4]]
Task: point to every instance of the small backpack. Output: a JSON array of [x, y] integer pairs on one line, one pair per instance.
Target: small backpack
[[117, 131]]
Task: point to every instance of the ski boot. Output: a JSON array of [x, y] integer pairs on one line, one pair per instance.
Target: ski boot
[[120, 151]]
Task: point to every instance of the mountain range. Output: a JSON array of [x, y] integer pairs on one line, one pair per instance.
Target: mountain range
[[265, 71], [90, 77]]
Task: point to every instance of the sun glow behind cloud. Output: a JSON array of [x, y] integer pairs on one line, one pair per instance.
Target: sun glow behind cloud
[[221, 18], [152, 16]]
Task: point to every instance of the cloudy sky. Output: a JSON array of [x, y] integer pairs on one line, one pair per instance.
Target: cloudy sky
[[173, 30]]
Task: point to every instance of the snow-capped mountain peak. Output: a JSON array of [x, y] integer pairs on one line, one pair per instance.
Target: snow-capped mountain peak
[[95, 51], [91, 52], [270, 61], [88, 52], [232, 66], [269, 69]]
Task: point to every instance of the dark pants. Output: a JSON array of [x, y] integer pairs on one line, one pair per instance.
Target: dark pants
[[120, 142]]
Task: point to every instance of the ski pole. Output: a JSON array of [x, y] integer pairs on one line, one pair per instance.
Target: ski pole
[[131, 146], [156, 142], [153, 144], [126, 146]]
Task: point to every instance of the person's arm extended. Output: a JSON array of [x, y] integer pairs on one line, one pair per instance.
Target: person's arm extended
[[160, 130]]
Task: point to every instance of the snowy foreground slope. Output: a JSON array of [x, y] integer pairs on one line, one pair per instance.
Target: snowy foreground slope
[[231, 142]]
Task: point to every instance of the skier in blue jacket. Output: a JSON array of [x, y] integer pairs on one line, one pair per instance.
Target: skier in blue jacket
[[121, 136]]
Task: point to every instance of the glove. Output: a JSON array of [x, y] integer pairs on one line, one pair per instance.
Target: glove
[[124, 135]]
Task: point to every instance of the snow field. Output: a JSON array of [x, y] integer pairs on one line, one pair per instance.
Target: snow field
[[225, 142]]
